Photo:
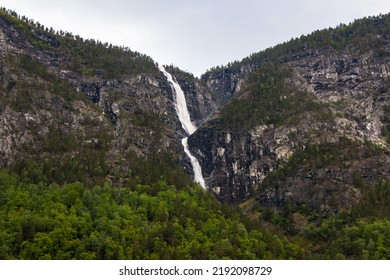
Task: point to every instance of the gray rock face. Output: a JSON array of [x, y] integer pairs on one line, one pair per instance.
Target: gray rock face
[[225, 83], [235, 163]]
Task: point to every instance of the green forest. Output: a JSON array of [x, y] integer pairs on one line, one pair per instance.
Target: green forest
[[40, 221], [161, 221]]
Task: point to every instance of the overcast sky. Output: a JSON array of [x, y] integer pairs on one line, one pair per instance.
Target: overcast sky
[[195, 35]]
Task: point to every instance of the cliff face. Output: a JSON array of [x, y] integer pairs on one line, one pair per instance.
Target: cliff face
[[52, 84], [352, 83]]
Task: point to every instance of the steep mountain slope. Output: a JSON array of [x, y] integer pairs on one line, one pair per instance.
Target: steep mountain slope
[[318, 103], [87, 106]]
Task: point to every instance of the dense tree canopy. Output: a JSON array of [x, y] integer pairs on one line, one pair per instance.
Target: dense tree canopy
[[40, 221]]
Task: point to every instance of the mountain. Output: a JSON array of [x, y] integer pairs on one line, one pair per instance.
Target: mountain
[[293, 143]]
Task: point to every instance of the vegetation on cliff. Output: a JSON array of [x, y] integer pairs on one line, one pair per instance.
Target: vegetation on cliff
[[270, 100], [88, 57]]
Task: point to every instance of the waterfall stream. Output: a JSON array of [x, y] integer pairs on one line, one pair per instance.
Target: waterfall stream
[[188, 126]]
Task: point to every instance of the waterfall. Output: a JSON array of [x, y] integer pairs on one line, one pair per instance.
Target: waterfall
[[188, 126]]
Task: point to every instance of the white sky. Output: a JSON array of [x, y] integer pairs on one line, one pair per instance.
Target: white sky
[[195, 35]]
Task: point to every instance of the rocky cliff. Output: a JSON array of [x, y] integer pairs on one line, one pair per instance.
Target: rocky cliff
[[348, 84]]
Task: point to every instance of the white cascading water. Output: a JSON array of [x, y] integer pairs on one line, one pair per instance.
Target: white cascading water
[[188, 126]]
